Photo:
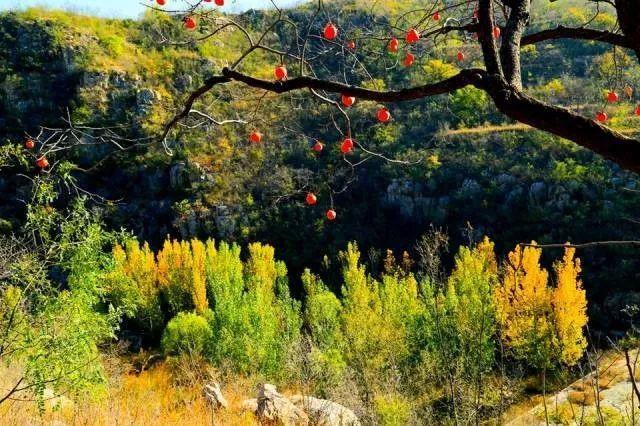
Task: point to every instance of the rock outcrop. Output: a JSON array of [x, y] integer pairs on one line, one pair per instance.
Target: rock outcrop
[[275, 409], [214, 396], [323, 412]]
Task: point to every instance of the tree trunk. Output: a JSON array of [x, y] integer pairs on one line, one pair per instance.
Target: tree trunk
[[629, 20]]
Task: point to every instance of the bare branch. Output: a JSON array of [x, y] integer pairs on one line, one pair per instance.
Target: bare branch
[[585, 245], [562, 32]]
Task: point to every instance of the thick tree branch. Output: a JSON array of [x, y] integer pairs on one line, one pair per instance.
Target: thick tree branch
[[486, 38], [510, 49], [458, 81], [562, 32], [562, 122], [515, 104]]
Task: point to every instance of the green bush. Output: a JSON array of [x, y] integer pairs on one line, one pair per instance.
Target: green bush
[[392, 410], [322, 313], [256, 321], [187, 334], [52, 332]]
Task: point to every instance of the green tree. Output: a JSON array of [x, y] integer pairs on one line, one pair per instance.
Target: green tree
[[50, 331]]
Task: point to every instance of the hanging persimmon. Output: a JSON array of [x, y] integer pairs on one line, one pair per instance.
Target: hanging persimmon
[[601, 116], [393, 45], [255, 137], [436, 16], [42, 162], [347, 146], [311, 199], [409, 59], [219, 2], [384, 115], [29, 144], [496, 32], [412, 36], [351, 45], [612, 96], [331, 214], [638, 110], [280, 73], [190, 23], [460, 56], [318, 146], [330, 31], [161, 2], [348, 100]]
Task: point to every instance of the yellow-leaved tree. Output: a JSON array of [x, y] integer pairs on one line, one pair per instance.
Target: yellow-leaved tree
[[181, 274], [198, 275], [133, 286], [570, 308], [541, 324], [523, 307]]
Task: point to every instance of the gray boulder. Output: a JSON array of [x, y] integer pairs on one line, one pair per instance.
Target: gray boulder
[[323, 412], [178, 175], [275, 409], [250, 405], [537, 193]]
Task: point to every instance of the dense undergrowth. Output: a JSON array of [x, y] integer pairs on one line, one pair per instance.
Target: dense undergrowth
[[412, 342]]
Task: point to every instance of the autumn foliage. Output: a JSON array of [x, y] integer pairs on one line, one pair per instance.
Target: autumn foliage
[[538, 322]]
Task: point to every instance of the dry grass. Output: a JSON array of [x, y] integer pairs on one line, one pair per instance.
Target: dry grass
[[517, 127], [151, 398], [486, 129], [588, 384], [587, 397]]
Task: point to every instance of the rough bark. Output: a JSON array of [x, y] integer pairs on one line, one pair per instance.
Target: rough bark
[[510, 49], [562, 122], [629, 20], [485, 36]]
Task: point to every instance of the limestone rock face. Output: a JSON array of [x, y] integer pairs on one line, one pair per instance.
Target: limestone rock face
[[323, 412], [145, 98], [250, 405], [275, 409], [213, 394]]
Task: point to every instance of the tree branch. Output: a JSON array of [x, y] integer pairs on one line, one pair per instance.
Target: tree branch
[[485, 36], [458, 81], [194, 96], [510, 49], [562, 122], [562, 32], [628, 12], [585, 245]]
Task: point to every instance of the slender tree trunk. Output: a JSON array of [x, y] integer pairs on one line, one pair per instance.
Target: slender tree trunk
[[544, 394], [13, 390], [634, 385]]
